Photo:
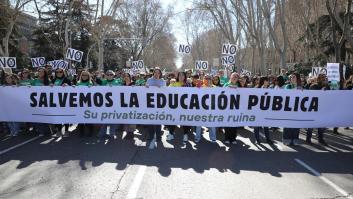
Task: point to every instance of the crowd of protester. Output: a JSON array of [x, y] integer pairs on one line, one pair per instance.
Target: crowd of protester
[[45, 76]]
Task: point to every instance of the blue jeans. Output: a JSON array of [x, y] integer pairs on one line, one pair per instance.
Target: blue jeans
[[212, 133], [154, 129], [14, 127], [104, 128]]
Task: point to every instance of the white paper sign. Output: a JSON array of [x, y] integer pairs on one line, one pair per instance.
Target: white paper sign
[[315, 71], [229, 49], [9, 62], [333, 71], [73, 54], [184, 49], [227, 60], [245, 72], [38, 62], [201, 65], [58, 64], [138, 65]]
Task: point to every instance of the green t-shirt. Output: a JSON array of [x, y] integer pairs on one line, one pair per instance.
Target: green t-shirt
[[37, 82], [140, 82], [223, 80], [84, 83], [27, 82], [58, 82], [114, 82], [229, 84]]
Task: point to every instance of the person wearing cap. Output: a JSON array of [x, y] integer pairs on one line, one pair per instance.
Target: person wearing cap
[[109, 80], [155, 130]]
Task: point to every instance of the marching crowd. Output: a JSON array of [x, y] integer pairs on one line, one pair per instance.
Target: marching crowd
[[45, 76]]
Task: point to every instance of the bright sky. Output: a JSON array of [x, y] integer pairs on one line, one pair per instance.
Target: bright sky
[[177, 29]]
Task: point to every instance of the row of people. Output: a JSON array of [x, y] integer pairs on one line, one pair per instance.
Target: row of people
[[182, 79]]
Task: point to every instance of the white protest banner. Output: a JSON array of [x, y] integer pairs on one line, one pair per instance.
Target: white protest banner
[[8, 62], [58, 64], [201, 65], [212, 107], [229, 49], [74, 55], [38, 62], [138, 65], [228, 60], [315, 71], [333, 72], [184, 49]]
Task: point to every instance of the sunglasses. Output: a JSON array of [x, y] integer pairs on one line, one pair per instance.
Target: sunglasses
[[110, 75], [59, 72]]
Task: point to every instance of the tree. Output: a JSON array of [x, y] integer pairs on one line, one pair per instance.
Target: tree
[[10, 15]]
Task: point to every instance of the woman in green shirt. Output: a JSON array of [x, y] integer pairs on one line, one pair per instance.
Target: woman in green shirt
[[25, 78], [42, 79], [85, 80]]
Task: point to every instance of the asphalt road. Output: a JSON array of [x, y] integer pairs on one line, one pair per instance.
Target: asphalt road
[[75, 167]]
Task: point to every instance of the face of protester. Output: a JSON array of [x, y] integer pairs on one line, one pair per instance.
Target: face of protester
[[209, 81], [181, 77], [127, 77], [8, 80], [188, 74], [84, 76], [157, 74], [215, 80], [234, 78], [59, 73], [266, 83], [25, 74], [202, 76], [242, 81], [110, 76], [293, 79], [41, 73]]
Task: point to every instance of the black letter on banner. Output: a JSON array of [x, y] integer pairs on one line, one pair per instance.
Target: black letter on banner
[[150, 100], [73, 99], [85, 99], [33, 99], [253, 100], [108, 97]]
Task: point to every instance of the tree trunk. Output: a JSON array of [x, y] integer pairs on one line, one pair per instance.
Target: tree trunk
[[100, 54]]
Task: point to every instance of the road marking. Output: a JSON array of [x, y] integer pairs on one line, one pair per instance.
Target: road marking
[[136, 183], [19, 145], [324, 179]]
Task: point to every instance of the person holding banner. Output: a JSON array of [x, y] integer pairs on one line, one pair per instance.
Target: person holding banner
[[128, 128], [291, 135], [85, 80], [230, 133], [211, 130], [11, 80], [319, 85], [60, 79], [110, 81], [25, 78], [265, 84], [180, 82], [155, 130], [42, 80]]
